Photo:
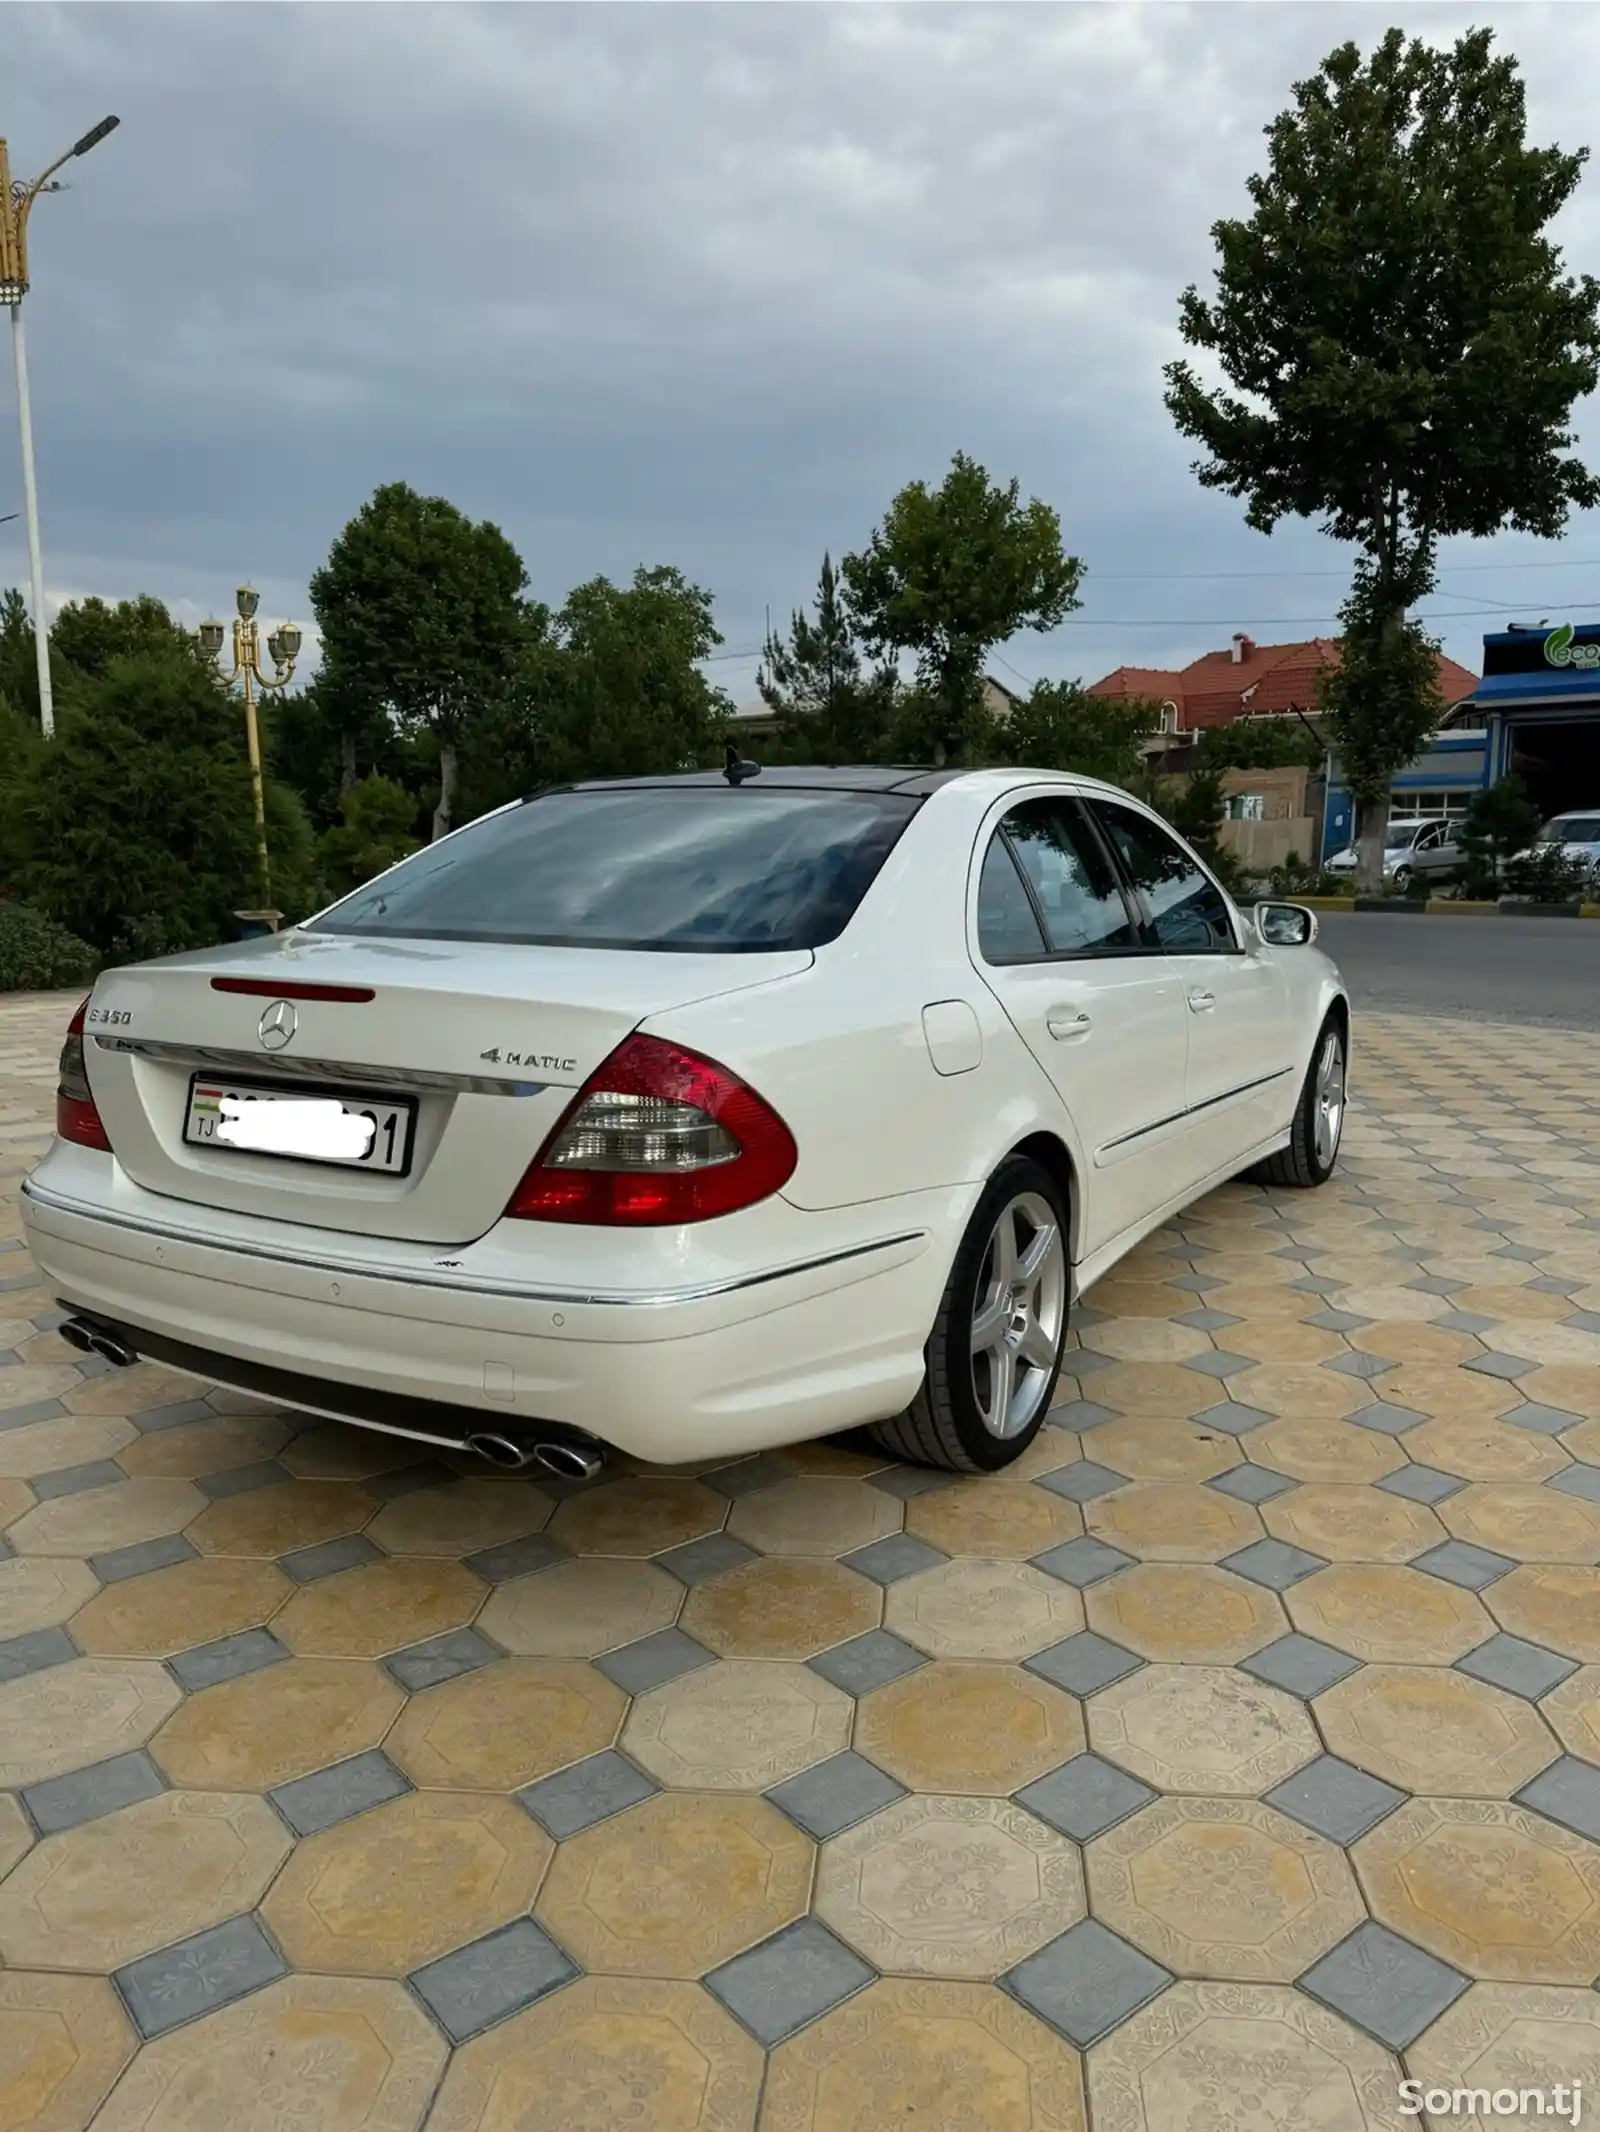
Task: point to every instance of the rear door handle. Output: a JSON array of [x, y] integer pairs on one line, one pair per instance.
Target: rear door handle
[[1202, 1002], [1066, 1023]]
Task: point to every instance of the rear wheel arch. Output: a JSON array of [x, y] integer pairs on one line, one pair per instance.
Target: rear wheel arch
[[1054, 1157]]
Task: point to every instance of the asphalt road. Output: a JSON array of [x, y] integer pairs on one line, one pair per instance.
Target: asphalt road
[[1491, 968]]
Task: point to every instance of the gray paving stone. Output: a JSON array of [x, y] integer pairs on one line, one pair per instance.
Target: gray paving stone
[[1509, 1367], [328, 1557], [1460, 1562], [1206, 1320], [1300, 1664], [1081, 1362], [1081, 1415], [446, 1657], [836, 1794], [144, 1555], [1082, 1481], [1219, 1363], [1251, 1484], [1466, 1321], [1084, 1797], [1583, 1481], [905, 1482], [887, 1561], [1431, 1284], [73, 1480], [654, 1660], [1357, 1365], [215, 1967], [867, 1662], [468, 1991], [789, 1980], [1521, 1668], [1567, 1791], [1314, 1284], [515, 1558], [86, 1794], [1083, 1663], [1584, 1321], [1273, 1563], [35, 1410], [1195, 1283], [1421, 1484], [1082, 1561], [1385, 1985], [749, 1476], [1086, 1983], [1543, 1420], [1337, 1321], [176, 1416], [1335, 1799], [239, 1480], [1528, 1254], [33, 1651], [1232, 1418], [1556, 1283], [227, 1658], [335, 1794], [705, 1558], [1385, 1418], [589, 1791]]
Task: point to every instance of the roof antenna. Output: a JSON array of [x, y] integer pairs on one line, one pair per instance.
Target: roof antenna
[[738, 768]]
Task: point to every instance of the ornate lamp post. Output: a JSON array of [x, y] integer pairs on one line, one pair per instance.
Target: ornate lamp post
[[16, 204], [283, 648]]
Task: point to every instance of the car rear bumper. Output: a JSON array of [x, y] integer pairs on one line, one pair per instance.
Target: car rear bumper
[[811, 1342]]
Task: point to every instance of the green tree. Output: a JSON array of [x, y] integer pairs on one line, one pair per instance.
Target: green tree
[[830, 709], [1402, 353], [375, 834], [950, 573], [1261, 744], [1500, 822], [88, 634], [19, 671], [1059, 725], [420, 611]]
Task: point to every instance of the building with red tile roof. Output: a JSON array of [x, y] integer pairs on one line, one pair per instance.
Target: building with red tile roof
[[1251, 680]]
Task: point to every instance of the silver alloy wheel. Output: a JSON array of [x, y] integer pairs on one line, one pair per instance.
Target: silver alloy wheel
[[1327, 1098], [1020, 1316]]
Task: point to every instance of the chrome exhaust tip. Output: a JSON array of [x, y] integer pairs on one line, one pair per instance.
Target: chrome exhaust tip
[[77, 1334], [570, 1462], [115, 1350], [91, 1339], [502, 1451]]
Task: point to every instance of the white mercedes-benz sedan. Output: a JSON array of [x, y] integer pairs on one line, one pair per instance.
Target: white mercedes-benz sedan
[[689, 1116]]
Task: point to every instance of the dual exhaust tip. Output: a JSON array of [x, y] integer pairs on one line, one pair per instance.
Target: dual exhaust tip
[[91, 1339]]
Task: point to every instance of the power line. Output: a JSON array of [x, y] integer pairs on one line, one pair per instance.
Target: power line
[[1266, 621], [1118, 577]]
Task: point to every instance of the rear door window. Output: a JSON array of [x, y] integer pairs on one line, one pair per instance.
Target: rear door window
[[1188, 912], [1071, 881]]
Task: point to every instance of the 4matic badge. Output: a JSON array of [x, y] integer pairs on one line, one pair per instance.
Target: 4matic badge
[[497, 1057]]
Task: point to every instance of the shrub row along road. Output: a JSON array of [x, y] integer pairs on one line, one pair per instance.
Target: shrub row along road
[[1492, 968]]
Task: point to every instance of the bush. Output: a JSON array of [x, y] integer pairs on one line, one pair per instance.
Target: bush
[[376, 834], [37, 955], [1298, 877], [1549, 876]]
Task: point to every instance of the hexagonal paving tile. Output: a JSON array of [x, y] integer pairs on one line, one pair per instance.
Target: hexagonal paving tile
[[742, 1724], [172, 1610], [984, 1729], [606, 2051], [1188, 2063], [640, 1517], [1154, 1388], [1301, 1391], [1556, 1605], [949, 1887], [1252, 1297], [999, 1519], [401, 1885], [1172, 1521], [1335, 1451], [1223, 1888], [459, 1519], [824, 1517], [1571, 1389], [1389, 1615], [1496, 2034], [40, 1592], [130, 1391], [16, 1498], [1201, 1729], [279, 1519], [506, 1725], [16, 1836], [1281, 1340], [196, 1448], [676, 1885], [48, 1446], [1430, 1729], [781, 1607], [974, 1607], [581, 1608], [1180, 1610], [381, 1607], [1446, 1393], [1407, 1341], [1482, 1449], [1527, 1523], [85, 1711], [1157, 1447], [24, 1387], [63, 2041], [1499, 1892], [1573, 1709], [329, 2052], [256, 1732], [100, 1519], [1146, 1340], [96, 1896], [335, 1452], [1352, 1524]]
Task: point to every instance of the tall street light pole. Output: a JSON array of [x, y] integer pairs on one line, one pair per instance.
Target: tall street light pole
[[16, 204], [283, 648]]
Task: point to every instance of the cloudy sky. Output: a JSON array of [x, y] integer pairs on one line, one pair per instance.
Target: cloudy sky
[[699, 284]]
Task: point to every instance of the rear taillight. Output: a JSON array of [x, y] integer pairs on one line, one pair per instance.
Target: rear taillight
[[77, 1119], [658, 1135]]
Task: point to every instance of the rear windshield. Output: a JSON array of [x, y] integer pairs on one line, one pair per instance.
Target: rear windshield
[[691, 869], [1571, 829]]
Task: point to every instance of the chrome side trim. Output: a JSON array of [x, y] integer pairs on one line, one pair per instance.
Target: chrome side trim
[[440, 1276], [1195, 1110], [273, 1066]]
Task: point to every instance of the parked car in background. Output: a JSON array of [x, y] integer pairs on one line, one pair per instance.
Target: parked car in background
[[1423, 848], [1576, 836]]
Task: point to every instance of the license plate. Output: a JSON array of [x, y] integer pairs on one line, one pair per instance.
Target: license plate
[[300, 1125]]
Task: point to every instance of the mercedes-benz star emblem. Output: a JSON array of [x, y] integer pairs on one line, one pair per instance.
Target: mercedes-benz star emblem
[[277, 1026]]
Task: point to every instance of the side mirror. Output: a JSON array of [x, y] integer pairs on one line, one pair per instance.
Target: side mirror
[[1285, 925]]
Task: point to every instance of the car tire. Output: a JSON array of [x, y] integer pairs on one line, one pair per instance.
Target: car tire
[[1401, 878], [1313, 1150], [966, 1419]]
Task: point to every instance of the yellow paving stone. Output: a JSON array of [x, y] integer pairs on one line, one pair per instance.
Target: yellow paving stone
[[1172, 1521], [743, 1724], [1432, 1729], [1049, 1451], [201, 1447], [1560, 1345], [604, 2053], [1502, 1302], [984, 1729], [280, 1519], [40, 1592], [977, 1608], [1498, 2035], [506, 1725], [459, 1519], [97, 1520], [1388, 1614], [381, 1607], [1401, 1340], [383, 1893], [256, 1732], [1574, 1391], [48, 1446], [998, 1518], [581, 1608], [16, 1498], [1223, 1888], [1498, 1891], [1352, 1524], [24, 1386], [645, 1517], [1139, 1299], [911, 2053], [1299, 1391], [103, 1893], [1146, 1340], [1154, 1388], [1555, 1604], [827, 1457], [63, 2041], [1525, 1522], [781, 1607], [676, 1885], [171, 1610], [1573, 1710], [1159, 1447], [335, 1452], [1447, 1394], [69, 1716], [949, 1887], [15, 1837], [321, 2054], [1282, 1340], [814, 1517], [1388, 1305], [1185, 1611], [130, 1391], [1257, 1298], [1481, 1449], [1201, 1729]]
